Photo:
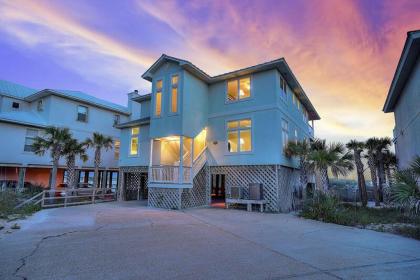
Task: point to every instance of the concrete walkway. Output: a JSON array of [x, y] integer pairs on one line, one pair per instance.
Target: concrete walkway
[[130, 241]]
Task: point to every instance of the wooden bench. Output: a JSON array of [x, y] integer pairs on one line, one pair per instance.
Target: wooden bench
[[248, 203]]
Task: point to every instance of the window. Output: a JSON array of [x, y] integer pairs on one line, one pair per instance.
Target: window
[[158, 104], [31, 134], [285, 132], [40, 106], [239, 136], [238, 89], [82, 113], [294, 98], [117, 144], [134, 141], [283, 86], [174, 94], [296, 136], [116, 119], [15, 105]]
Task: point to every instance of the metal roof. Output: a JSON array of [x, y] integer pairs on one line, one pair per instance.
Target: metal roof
[[15, 90]]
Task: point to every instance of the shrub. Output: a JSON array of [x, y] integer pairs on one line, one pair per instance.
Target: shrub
[[322, 206], [405, 192], [8, 200]]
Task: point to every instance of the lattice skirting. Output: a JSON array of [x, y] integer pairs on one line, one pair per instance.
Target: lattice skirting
[[167, 198], [243, 175], [179, 198], [200, 193], [130, 180], [289, 189]]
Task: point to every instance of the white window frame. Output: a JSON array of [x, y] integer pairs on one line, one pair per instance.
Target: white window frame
[[29, 137], [177, 95], [161, 98], [117, 148], [284, 133], [116, 119], [238, 129], [227, 101], [283, 86], [87, 113], [138, 142]]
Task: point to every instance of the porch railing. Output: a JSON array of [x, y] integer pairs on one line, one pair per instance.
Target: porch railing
[[170, 174]]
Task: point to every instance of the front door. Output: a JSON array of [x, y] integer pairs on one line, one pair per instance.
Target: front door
[[218, 188]]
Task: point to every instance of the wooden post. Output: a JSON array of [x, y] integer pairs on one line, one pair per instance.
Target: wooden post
[[93, 196], [21, 180], [43, 199]]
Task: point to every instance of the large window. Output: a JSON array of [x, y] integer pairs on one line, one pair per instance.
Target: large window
[[117, 145], [82, 113], [239, 136], [31, 134], [174, 94], [283, 86], [238, 89], [158, 104], [285, 132], [134, 141]]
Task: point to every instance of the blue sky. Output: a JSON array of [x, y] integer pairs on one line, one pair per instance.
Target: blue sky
[[344, 53]]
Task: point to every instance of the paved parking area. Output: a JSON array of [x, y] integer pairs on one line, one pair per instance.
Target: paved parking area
[[130, 241]]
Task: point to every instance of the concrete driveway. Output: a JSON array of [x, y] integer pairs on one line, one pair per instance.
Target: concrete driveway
[[130, 241]]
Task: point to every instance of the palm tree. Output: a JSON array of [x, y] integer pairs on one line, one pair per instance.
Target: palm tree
[[390, 162], [73, 148], [371, 146], [357, 148], [383, 145], [54, 140], [406, 190], [99, 142], [302, 151], [332, 156]]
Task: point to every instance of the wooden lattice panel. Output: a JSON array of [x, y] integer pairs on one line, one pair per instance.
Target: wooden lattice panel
[[165, 198], [200, 193], [289, 187], [130, 175], [245, 174]]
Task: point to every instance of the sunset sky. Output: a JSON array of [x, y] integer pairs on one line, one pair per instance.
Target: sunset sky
[[344, 53]]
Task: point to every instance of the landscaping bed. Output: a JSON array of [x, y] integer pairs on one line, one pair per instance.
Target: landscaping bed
[[328, 208]]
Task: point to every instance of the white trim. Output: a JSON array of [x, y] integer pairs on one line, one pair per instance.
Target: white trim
[[226, 151], [171, 86]]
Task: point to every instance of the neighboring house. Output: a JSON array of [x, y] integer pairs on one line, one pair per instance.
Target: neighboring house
[[404, 100], [195, 135], [24, 112]]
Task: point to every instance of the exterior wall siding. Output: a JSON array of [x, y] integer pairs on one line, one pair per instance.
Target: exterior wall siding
[[407, 120]]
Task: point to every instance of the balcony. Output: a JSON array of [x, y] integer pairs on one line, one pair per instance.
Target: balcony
[[177, 159]]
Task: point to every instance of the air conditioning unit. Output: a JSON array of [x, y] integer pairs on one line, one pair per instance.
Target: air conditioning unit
[[256, 191], [236, 192]]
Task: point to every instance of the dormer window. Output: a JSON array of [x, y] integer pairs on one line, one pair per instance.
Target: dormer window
[[40, 105], [158, 98], [238, 89], [15, 105], [82, 113]]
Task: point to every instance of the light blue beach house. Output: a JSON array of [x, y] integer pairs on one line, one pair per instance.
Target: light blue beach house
[[196, 136]]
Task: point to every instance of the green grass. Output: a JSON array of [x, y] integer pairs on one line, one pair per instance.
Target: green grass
[[328, 208], [9, 200]]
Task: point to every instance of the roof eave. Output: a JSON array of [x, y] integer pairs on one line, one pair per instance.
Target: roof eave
[[402, 72]]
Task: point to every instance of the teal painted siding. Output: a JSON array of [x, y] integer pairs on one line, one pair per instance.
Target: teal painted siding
[[142, 159]]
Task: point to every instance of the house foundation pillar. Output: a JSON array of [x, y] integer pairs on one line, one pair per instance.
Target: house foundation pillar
[[21, 179]]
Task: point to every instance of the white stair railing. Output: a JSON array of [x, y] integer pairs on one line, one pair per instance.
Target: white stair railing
[[199, 162]]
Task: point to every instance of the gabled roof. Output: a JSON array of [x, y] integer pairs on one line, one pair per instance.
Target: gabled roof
[[279, 64], [15, 90], [405, 65], [80, 97]]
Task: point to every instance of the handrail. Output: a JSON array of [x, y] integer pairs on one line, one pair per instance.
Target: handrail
[[29, 200], [87, 196]]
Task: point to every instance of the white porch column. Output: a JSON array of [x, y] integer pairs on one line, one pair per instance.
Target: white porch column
[[181, 160]]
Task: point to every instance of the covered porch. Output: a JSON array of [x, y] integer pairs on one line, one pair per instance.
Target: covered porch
[[175, 158]]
